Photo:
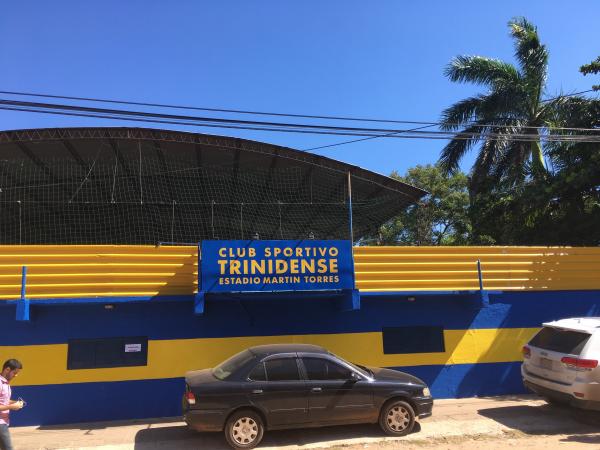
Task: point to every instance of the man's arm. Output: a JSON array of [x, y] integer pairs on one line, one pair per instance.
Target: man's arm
[[14, 406]]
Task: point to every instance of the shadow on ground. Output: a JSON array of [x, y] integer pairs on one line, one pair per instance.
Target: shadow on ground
[[546, 419], [108, 425], [583, 439], [182, 438]]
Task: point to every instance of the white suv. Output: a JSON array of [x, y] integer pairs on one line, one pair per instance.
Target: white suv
[[560, 363]]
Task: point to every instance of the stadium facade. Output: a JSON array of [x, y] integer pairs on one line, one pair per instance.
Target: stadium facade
[[112, 250]]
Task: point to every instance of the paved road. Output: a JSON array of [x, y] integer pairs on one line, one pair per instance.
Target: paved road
[[506, 422]]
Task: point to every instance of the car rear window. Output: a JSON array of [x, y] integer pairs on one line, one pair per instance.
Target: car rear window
[[284, 369], [562, 341]]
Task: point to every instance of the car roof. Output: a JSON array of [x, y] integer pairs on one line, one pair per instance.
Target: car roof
[[585, 324], [264, 350]]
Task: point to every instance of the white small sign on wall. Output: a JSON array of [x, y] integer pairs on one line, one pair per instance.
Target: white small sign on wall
[[132, 348]]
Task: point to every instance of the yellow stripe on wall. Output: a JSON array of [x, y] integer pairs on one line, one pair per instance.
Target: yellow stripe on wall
[[46, 364], [75, 271], [455, 268]]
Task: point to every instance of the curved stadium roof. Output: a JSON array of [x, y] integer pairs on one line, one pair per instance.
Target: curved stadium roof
[[144, 186]]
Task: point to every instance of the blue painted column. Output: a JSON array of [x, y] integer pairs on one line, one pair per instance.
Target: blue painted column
[[485, 298], [23, 303]]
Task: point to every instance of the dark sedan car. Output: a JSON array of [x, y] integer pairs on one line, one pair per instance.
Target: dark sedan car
[[295, 386]]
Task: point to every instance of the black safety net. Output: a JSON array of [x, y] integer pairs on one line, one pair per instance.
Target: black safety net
[[111, 190]]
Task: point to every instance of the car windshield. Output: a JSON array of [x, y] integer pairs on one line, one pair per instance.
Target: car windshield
[[360, 369], [232, 364], [365, 369]]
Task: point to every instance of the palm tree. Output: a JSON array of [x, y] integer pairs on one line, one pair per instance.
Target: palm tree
[[513, 105]]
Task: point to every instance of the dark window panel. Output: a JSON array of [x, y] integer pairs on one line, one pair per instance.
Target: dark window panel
[[420, 339], [107, 352]]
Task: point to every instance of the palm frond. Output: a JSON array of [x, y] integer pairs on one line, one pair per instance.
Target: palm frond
[[572, 112], [530, 52], [454, 151], [492, 150], [503, 104], [512, 105], [481, 70], [461, 112], [498, 107], [512, 166]]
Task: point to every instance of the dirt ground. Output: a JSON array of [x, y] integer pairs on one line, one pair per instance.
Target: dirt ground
[[464, 424], [506, 441]]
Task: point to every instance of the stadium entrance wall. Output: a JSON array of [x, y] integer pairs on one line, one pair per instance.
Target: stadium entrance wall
[[417, 314]]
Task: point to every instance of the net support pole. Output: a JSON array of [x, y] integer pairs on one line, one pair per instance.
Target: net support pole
[[351, 225], [23, 302], [140, 173], [350, 299], [200, 296]]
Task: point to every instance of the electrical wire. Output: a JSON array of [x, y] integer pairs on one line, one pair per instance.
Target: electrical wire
[[363, 139], [263, 113], [119, 112], [343, 131]]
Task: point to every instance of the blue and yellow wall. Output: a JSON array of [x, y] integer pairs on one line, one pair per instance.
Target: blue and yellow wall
[[152, 293]]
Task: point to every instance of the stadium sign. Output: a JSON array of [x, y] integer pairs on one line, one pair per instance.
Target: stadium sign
[[277, 265]]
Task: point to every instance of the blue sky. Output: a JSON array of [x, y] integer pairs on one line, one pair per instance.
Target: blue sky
[[346, 58]]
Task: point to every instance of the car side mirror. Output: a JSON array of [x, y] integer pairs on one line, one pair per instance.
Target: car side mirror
[[354, 376]]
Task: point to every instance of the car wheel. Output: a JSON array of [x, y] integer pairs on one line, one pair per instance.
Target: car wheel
[[244, 429], [397, 418]]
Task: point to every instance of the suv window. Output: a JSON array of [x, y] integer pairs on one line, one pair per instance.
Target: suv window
[[284, 369], [562, 341], [323, 369], [258, 373]]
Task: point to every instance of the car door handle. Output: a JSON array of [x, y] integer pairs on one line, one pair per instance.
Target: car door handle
[[316, 389], [257, 391]]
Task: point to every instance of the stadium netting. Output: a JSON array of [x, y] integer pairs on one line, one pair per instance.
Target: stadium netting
[[150, 186]]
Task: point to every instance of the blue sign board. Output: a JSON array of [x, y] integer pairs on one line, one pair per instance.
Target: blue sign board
[[268, 266]]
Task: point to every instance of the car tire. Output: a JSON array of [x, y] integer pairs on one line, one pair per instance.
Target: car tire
[[397, 418], [244, 429]]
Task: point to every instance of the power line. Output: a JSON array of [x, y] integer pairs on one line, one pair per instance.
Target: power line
[[58, 106], [120, 112], [434, 124], [567, 95], [197, 108], [341, 131], [263, 113], [364, 139]]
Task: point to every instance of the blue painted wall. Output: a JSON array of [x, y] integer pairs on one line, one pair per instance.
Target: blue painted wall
[[51, 404], [227, 318]]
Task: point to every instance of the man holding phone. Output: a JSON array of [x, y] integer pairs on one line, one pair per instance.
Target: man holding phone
[[10, 369]]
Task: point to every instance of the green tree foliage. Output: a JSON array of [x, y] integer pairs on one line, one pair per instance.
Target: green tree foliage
[[592, 68], [561, 209], [440, 219], [514, 198], [512, 105]]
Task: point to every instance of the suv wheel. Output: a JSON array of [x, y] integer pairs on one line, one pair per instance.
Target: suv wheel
[[244, 429], [397, 418]]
